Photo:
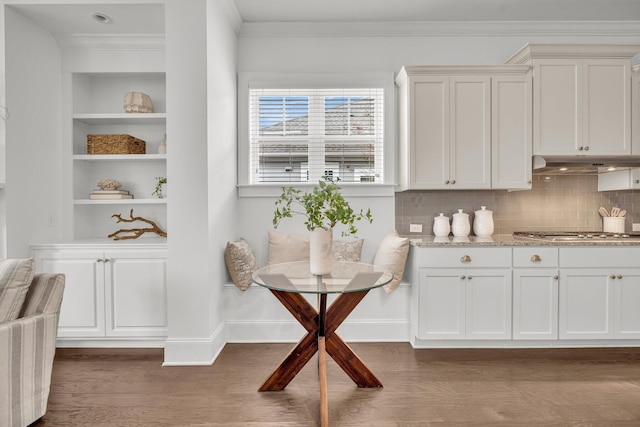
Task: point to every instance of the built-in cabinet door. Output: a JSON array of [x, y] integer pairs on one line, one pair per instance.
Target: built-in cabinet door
[[136, 293], [606, 119], [582, 107], [557, 101], [635, 111], [511, 132], [441, 304], [82, 310], [470, 134], [586, 306], [429, 132], [535, 304], [457, 303], [627, 306], [488, 304]]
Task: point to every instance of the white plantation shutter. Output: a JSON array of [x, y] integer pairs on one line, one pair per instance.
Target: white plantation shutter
[[301, 135]]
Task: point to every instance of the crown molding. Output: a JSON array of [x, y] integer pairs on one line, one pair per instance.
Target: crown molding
[[441, 29], [550, 51], [233, 15], [112, 41]]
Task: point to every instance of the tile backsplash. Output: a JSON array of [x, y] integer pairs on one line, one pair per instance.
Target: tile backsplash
[[559, 203]]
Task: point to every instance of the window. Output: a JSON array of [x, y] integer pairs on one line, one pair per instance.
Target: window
[[302, 135]]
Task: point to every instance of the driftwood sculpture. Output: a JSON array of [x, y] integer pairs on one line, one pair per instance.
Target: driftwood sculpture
[[136, 232]]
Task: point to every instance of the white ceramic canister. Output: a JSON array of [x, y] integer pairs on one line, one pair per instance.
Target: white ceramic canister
[[460, 226], [483, 222], [441, 226]]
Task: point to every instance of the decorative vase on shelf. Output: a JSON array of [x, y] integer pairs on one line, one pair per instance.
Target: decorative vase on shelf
[[460, 226], [483, 223], [441, 226], [162, 147], [320, 251]]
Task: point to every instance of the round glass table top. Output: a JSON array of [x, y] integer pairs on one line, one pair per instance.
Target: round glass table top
[[345, 277]]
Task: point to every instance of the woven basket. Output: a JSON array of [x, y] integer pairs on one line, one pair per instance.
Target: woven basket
[[115, 144]]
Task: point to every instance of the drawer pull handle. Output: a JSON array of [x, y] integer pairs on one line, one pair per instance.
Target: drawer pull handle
[[535, 258], [465, 258]]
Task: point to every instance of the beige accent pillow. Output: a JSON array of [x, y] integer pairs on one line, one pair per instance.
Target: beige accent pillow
[[241, 262], [15, 278], [392, 254], [287, 247], [347, 250]]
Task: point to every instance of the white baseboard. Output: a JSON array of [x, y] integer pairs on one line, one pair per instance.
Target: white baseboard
[[194, 351], [418, 344], [109, 343]]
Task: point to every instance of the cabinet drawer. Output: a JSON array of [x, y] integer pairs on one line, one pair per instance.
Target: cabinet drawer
[[465, 257], [535, 257], [617, 257]]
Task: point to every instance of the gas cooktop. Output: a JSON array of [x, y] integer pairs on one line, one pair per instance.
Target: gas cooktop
[[575, 236]]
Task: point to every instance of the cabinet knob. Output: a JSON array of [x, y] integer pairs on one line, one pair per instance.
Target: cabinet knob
[[586, 148], [613, 276], [463, 277], [529, 182], [469, 277], [453, 182], [447, 182], [637, 181], [580, 148], [99, 260], [465, 258], [535, 258], [107, 260], [555, 277], [619, 276]]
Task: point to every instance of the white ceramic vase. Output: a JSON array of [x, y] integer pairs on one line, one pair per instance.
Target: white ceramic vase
[[321, 251], [460, 226], [441, 226], [483, 223]]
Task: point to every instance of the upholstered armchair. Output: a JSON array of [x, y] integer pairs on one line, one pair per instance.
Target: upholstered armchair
[[27, 348]]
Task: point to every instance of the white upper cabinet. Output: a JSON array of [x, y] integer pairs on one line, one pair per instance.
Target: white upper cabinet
[[581, 98], [450, 120]]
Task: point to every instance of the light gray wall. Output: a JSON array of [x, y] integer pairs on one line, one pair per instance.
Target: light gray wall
[[33, 141]]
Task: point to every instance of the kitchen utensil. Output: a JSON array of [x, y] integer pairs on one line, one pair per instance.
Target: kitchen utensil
[[603, 211], [623, 212], [615, 211]]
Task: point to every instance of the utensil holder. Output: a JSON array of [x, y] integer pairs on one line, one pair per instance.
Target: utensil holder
[[613, 224]]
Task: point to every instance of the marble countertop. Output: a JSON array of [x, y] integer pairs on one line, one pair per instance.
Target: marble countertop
[[507, 240]]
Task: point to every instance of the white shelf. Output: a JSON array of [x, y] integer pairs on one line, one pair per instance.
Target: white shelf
[[121, 118], [118, 157], [121, 202]]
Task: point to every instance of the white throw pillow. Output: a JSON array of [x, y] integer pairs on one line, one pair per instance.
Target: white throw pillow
[[287, 247], [392, 254]]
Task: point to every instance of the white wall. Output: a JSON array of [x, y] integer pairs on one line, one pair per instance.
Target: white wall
[[33, 142], [255, 315], [201, 54]]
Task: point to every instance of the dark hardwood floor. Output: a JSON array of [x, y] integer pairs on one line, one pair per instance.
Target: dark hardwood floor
[[484, 387]]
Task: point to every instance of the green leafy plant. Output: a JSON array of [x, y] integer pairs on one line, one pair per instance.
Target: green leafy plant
[[323, 207], [160, 181]]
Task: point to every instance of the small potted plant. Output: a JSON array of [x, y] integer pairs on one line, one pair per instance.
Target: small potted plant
[[323, 208]]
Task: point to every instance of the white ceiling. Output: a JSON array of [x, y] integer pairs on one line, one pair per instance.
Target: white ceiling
[[149, 18], [437, 10]]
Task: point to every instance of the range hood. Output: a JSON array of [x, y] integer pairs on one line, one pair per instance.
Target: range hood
[[582, 165]]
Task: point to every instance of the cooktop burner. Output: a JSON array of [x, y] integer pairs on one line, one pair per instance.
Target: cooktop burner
[[572, 236]]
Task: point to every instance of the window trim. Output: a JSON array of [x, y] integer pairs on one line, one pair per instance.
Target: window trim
[[249, 80]]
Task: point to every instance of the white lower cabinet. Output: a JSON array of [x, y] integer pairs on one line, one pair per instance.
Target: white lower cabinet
[[465, 303], [549, 294], [111, 292]]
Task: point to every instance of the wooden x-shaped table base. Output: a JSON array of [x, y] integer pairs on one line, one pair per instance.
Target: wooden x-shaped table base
[[321, 326]]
